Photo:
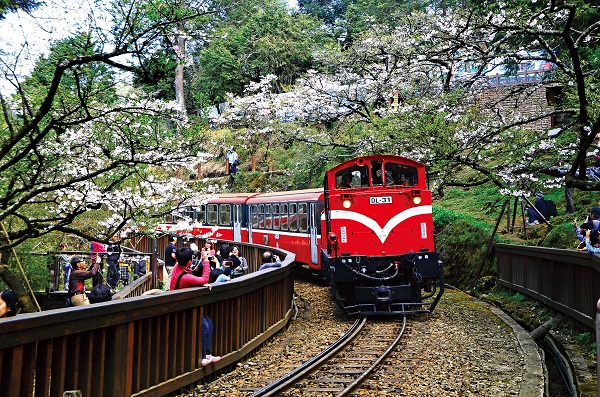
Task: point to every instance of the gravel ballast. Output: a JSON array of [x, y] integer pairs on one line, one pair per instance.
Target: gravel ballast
[[466, 349]]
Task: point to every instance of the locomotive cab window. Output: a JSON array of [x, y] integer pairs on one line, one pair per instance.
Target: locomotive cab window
[[400, 175]]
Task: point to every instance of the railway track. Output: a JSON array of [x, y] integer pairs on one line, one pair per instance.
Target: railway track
[[360, 354]]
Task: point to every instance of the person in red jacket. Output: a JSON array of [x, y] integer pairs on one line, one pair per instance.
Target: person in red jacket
[[182, 277]]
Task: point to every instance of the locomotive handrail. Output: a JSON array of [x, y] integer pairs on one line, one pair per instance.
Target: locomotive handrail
[[144, 345], [566, 280]]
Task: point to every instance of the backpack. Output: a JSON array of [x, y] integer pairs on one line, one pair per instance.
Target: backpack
[[551, 207], [214, 274]]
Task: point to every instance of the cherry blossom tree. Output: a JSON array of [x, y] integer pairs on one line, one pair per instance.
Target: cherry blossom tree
[[75, 140], [397, 90]]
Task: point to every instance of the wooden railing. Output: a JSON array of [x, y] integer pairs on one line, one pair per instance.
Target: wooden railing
[[566, 280], [143, 345], [137, 288]]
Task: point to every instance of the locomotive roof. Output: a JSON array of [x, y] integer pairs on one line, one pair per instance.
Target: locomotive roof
[[378, 157]]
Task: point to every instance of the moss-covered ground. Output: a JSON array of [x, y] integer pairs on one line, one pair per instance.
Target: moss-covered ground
[[465, 221]]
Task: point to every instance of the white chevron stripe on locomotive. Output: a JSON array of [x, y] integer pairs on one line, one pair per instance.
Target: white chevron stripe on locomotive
[[384, 232]]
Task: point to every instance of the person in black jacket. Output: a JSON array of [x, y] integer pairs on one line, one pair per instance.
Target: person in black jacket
[[542, 208], [114, 252]]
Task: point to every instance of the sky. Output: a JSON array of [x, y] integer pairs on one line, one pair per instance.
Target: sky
[[26, 38]]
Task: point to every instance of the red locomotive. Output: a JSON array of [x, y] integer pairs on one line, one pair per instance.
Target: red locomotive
[[369, 232]]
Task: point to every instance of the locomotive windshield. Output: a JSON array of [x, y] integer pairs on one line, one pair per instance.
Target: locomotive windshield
[[377, 174], [352, 177], [400, 175]]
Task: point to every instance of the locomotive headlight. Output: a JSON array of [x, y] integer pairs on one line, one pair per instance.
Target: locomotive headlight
[[417, 200], [346, 203]]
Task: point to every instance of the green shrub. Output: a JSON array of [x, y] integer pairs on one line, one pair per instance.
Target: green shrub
[[461, 245], [588, 342], [561, 236]]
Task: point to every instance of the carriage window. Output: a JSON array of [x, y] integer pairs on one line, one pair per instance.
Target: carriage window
[[261, 216], [188, 213], [293, 218], [201, 214], [276, 219], [302, 217], [284, 216], [169, 218], [213, 215], [225, 214], [400, 175], [255, 216], [237, 213], [268, 219]]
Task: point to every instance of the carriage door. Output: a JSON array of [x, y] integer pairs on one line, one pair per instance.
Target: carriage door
[[314, 250], [250, 222], [237, 222]]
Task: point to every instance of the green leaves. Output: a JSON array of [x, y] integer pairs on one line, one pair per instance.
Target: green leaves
[[253, 41]]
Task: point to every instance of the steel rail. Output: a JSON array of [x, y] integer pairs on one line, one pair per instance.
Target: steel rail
[[300, 372], [369, 370]]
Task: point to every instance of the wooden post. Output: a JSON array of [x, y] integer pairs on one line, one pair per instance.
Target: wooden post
[[512, 229], [157, 271], [199, 170], [253, 162], [508, 216], [226, 166], [524, 222], [270, 164], [598, 344], [490, 242]]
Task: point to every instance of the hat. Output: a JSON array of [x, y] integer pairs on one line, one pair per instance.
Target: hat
[[596, 212], [75, 260], [194, 247]]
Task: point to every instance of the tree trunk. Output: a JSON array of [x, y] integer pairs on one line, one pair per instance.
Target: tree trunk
[[180, 40], [16, 284]]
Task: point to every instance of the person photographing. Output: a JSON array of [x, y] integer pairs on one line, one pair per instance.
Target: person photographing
[[78, 277]]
